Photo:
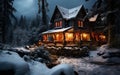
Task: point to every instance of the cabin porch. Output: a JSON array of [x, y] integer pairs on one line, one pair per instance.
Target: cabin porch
[[67, 38]]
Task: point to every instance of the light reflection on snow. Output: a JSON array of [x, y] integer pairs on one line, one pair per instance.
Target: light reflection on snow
[[78, 63]]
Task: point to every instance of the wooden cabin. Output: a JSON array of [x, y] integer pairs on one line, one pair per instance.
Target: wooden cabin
[[98, 31], [69, 28]]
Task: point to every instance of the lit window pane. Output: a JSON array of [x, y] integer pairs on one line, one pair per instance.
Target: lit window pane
[[80, 24], [60, 23], [85, 37], [69, 36], [59, 37]]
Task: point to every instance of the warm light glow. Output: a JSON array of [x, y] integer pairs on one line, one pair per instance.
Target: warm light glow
[[69, 36], [84, 35], [59, 37], [44, 37], [102, 36]]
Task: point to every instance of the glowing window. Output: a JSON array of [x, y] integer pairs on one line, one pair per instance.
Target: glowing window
[[69, 36], [58, 24], [102, 38], [59, 37], [80, 24], [44, 37], [85, 37]]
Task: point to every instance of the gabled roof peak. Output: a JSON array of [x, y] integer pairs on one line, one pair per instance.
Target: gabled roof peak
[[69, 13]]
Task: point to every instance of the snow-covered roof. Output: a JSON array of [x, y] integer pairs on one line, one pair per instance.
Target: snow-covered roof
[[56, 30], [69, 13], [94, 18]]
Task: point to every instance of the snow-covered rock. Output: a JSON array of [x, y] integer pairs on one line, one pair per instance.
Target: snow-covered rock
[[21, 49], [37, 68], [107, 55], [62, 69]]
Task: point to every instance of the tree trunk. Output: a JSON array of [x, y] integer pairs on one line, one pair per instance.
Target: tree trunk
[[44, 16], [109, 34], [1, 22]]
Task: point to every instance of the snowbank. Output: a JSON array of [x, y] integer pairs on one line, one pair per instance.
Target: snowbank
[[62, 69], [21, 49], [37, 68], [12, 61]]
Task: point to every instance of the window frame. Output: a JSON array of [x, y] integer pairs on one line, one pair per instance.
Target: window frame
[[58, 24], [80, 23]]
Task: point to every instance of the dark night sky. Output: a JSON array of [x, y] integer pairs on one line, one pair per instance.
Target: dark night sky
[[29, 7]]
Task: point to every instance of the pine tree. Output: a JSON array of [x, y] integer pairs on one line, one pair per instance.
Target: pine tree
[[43, 6], [23, 22], [6, 25]]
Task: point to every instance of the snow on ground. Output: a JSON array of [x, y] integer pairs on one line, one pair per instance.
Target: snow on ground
[[37, 68], [105, 55], [62, 69], [83, 67], [12, 61], [21, 49], [78, 64], [93, 53]]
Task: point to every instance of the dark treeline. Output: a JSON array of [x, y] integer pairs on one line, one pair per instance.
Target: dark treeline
[[21, 31]]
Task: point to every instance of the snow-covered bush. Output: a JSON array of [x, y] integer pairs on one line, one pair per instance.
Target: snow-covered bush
[[39, 53]]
